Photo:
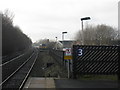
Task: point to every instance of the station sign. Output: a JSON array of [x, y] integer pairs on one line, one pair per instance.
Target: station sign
[[68, 54]]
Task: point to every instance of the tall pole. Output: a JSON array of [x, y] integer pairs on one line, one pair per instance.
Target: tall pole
[[82, 33], [66, 60], [68, 68], [85, 18], [56, 43], [63, 38], [118, 44]]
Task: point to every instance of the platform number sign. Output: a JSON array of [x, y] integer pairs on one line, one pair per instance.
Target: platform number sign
[[80, 52]]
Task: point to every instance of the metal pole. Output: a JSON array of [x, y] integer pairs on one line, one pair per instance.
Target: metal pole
[[82, 33], [56, 43], [62, 36], [63, 39], [63, 45], [85, 18], [68, 68], [82, 24]]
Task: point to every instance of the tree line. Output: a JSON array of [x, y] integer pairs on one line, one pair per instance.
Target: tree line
[[13, 39], [98, 35], [91, 35]]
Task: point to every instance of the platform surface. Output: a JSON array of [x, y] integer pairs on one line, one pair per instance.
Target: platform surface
[[35, 82]]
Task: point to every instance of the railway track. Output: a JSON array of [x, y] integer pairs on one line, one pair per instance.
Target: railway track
[[13, 55], [16, 71]]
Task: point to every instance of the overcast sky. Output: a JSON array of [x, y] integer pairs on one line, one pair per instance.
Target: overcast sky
[[41, 19]]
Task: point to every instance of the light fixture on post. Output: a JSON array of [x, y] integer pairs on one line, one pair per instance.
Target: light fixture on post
[[85, 18], [63, 38]]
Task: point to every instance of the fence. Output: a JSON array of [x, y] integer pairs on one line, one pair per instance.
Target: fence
[[96, 60], [58, 55]]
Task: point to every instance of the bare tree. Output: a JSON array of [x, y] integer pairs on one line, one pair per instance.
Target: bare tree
[[98, 35], [7, 17]]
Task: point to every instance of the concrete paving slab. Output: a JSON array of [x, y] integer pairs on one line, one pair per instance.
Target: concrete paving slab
[[35, 82], [37, 86], [72, 83]]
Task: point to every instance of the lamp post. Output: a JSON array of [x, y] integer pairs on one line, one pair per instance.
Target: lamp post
[[56, 43], [63, 38], [68, 61], [85, 18]]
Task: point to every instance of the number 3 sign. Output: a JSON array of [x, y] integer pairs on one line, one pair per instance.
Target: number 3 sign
[[80, 52]]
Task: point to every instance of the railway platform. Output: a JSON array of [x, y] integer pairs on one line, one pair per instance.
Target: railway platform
[[40, 82], [61, 83]]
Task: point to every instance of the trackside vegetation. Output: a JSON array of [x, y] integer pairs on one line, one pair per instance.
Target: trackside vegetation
[[13, 39]]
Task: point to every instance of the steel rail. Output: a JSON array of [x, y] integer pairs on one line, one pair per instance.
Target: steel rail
[[28, 73], [16, 70], [11, 60]]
